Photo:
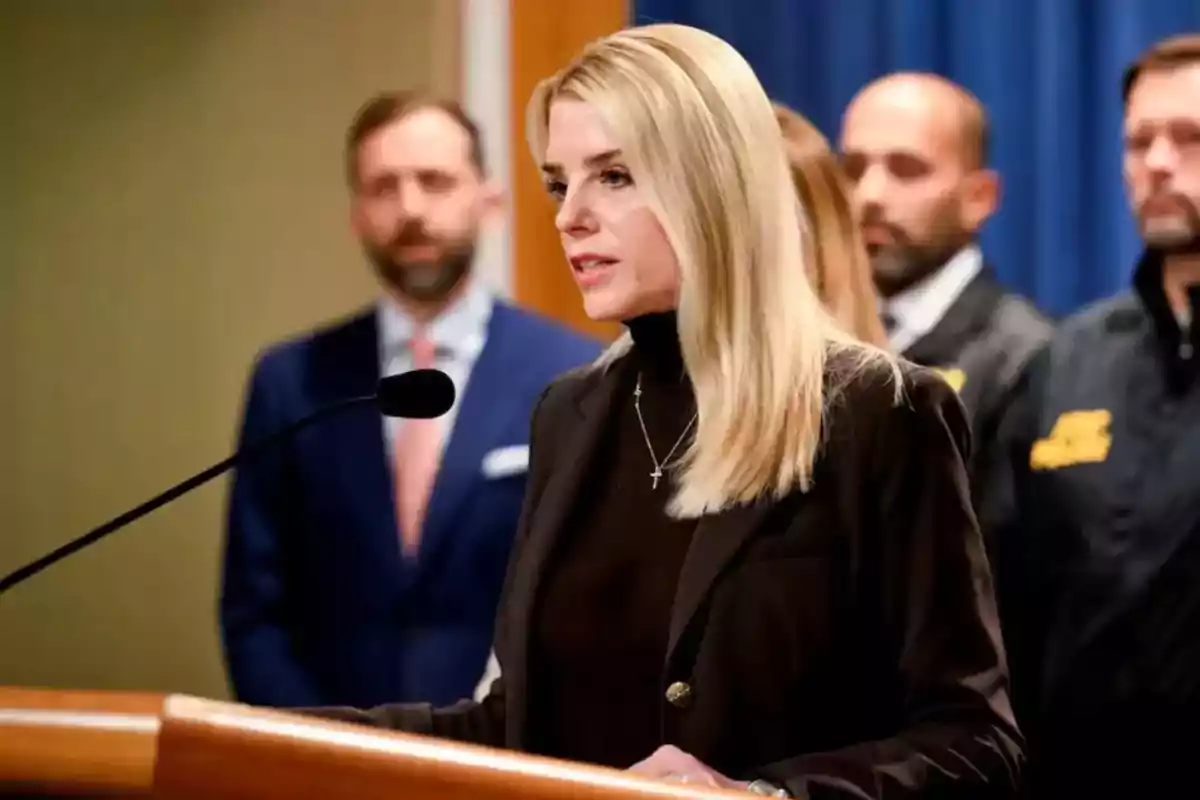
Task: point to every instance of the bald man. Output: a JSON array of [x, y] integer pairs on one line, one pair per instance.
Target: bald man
[[914, 147]]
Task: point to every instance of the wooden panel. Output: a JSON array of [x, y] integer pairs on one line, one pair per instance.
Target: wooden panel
[[215, 750], [70, 743], [545, 34]]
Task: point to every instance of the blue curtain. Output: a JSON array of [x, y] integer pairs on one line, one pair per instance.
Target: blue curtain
[[1048, 72]]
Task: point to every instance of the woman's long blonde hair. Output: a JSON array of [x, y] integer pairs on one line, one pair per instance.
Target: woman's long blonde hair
[[838, 266], [700, 138]]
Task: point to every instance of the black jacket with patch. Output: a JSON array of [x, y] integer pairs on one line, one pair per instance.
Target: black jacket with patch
[[1098, 557]]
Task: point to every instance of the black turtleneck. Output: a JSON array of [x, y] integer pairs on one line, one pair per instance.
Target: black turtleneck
[[600, 633]]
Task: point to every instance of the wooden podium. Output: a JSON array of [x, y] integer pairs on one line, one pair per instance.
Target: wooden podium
[[115, 744]]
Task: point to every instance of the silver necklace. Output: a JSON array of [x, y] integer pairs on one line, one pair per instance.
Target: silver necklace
[[657, 474]]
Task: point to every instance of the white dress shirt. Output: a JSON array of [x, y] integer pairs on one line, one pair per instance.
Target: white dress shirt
[[458, 333], [920, 307]]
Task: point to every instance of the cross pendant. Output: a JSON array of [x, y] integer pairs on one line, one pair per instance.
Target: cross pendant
[[655, 476]]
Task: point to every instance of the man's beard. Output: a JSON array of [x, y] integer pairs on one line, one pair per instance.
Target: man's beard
[[423, 280], [1173, 234], [906, 261]]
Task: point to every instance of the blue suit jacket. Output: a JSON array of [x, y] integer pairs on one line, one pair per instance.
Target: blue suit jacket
[[318, 607]]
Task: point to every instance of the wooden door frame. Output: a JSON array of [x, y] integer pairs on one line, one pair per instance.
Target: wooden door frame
[[543, 37]]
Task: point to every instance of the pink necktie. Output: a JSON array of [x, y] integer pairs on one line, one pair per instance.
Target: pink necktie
[[418, 449]]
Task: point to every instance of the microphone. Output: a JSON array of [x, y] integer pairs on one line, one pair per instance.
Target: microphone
[[417, 394]]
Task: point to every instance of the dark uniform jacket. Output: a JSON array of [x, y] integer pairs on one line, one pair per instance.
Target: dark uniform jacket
[[840, 642], [1099, 560], [981, 346]]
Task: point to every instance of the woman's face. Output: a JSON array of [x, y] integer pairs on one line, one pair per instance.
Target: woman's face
[[616, 248]]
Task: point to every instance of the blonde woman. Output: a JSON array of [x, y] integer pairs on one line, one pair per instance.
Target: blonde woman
[[838, 267], [747, 556]]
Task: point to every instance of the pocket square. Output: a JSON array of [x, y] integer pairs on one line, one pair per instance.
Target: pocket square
[[505, 461]]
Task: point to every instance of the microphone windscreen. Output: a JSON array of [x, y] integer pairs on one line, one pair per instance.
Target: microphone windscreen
[[416, 394]]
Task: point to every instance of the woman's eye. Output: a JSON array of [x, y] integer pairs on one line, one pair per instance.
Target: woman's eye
[[556, 189], [617, 178]]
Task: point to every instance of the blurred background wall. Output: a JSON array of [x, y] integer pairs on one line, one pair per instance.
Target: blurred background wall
[[173, 201]]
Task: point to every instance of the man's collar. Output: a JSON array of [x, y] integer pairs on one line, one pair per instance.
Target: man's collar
[[460, 327], [921, 306], [1148, 284]]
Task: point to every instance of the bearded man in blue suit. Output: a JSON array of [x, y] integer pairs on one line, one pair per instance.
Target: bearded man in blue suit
[[364, 558]]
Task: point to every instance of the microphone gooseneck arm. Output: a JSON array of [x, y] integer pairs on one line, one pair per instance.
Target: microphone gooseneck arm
[[197, 480]]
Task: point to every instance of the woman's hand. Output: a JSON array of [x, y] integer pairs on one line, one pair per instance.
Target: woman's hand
[[672, 764]]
